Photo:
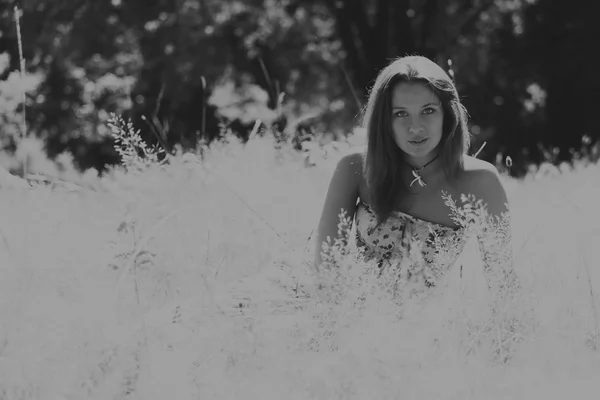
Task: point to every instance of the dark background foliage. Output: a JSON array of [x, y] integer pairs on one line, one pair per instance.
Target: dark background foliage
[[197, 69]]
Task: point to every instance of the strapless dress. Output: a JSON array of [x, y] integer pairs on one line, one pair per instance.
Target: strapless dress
[[439, 246]]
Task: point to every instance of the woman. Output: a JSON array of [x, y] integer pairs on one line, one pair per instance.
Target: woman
[[415, 163]]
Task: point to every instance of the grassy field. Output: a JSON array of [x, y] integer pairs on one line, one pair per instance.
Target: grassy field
[[189, 281]]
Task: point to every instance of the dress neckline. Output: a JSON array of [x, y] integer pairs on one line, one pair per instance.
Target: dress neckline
[[416, 219]]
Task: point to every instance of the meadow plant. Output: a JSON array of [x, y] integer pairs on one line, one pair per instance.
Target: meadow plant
[[214, 298], [494, 238], [135, 153], [346, 278]]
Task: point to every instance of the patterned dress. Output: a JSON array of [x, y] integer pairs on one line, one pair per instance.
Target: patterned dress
[[438, 246]]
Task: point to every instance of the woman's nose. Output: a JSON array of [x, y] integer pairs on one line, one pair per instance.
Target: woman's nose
[[415, 125], [415, 128]]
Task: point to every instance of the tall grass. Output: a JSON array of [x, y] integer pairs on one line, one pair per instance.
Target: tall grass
[[191, 279]]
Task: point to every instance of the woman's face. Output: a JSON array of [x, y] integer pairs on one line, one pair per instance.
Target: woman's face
[[417, 120]]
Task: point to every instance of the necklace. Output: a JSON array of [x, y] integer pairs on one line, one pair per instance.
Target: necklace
[[416, 171]]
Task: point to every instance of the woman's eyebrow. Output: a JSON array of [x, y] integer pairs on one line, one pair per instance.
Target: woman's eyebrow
[[423, 106]]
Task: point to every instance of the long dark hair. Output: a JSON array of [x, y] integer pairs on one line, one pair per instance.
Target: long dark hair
[[383, 160]]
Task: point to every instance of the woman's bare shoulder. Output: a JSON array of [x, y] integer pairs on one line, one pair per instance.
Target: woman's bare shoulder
[[351, 165], [354, 159], [482, 179], [475, 165], [478, 171]]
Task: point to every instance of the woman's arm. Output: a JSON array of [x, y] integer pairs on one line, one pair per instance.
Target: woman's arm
[[341, 195], [495, 236]]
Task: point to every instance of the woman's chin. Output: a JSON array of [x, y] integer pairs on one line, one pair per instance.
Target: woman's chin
[[424, 154]]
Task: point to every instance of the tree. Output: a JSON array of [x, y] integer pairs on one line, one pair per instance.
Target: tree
[[183, 69], [560, 35]]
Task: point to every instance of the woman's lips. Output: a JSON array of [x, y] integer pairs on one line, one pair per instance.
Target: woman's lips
[[418, 142]]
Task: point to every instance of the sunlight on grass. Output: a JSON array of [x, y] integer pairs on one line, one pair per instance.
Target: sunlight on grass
[[191, 280]]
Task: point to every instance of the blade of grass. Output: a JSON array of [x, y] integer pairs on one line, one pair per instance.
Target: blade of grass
[[479, 151], [352, 88], [156, 133], [17, 16]]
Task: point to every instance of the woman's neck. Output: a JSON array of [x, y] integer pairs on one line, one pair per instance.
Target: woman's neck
[[423, 172], [421, 162]]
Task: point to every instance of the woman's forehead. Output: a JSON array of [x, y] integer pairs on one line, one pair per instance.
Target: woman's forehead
[[407, 94]]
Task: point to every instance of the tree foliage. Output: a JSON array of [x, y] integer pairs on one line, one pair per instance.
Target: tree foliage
[[183, 70]]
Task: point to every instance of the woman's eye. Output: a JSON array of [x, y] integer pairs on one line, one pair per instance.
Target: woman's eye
[[401, 114], [429, 111]]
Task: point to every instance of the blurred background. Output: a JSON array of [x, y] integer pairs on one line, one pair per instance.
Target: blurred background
[[197, 71]]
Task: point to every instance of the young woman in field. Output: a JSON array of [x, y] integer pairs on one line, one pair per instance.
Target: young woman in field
[[416, 152]]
